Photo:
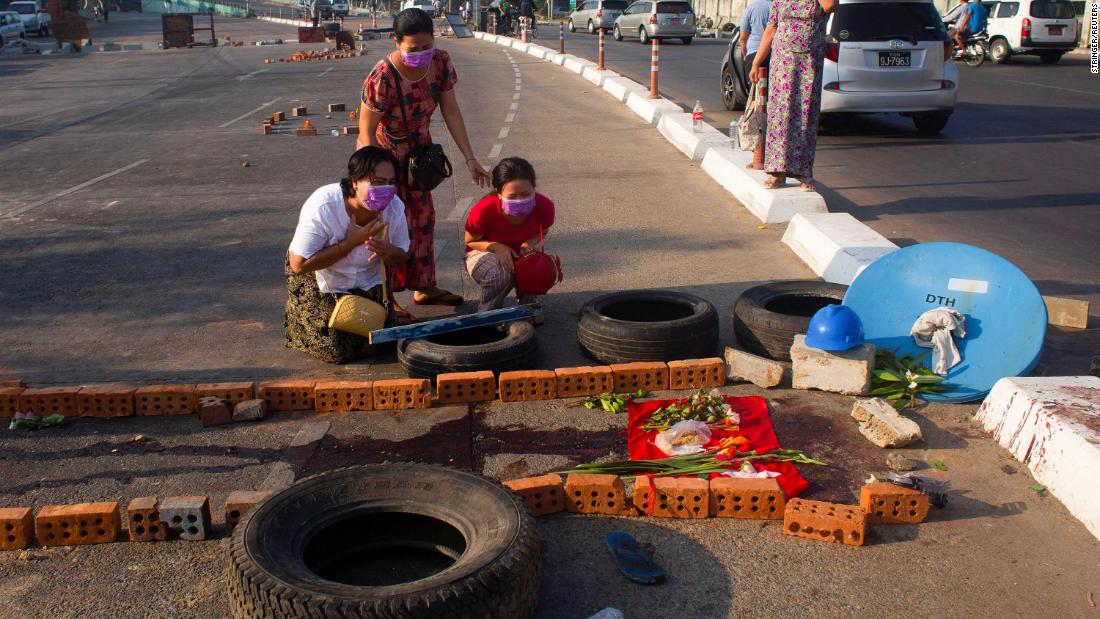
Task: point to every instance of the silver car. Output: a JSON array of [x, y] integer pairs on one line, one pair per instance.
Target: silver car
[[660, 19], [592, 15], [890, 57]]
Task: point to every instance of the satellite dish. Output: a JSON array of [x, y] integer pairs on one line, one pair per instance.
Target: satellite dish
[[1006, 319]]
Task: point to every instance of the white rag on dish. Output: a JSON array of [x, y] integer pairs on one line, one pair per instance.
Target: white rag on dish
[[937, 329]]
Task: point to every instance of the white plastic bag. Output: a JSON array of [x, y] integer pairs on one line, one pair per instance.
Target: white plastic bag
[[685, 437], [753, 123]]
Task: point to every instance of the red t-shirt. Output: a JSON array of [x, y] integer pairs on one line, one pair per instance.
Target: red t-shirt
[[487, 220]]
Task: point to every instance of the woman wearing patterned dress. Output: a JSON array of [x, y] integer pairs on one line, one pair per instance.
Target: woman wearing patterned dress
[[795, 41], [427, 81]]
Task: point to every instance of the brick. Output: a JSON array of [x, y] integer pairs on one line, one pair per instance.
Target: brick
[[648, 375], [267, 129], [239, 503], [16, 528], [344, 395], [883, 425], [826, 522], [279, 116], [250, 410], [544, 494], [232, 393], [13, 382], [298, 111], [214, 412], [350, 130], [288, 395], [304, 133], [165, 400], [459, 387], [50, 400], [744, 366], [886, 503], [758, 499], [143, 521], [402, 394], [187, 516], [106, 401], [83, 523], [1067, 312], [335, 107], [845, 371], [595, 494], [696, 373], [677, 497], [586, 380], [528, 385], [9, 401]]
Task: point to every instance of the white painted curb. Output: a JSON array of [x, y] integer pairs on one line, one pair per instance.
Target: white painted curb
[[621, 87], [520, 45], [836, 246], [1052, 425], [539, 51], [479, 35], [678, 130], [596, 76], [727, 166], [651, 110], [578, 65]]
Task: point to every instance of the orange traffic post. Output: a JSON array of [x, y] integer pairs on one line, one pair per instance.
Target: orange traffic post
[[653, 68], [561, 38], [524, 21], [601, 67], [494, 16]]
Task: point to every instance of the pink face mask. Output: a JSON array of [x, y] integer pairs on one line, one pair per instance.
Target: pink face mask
[[418, 60], [379, 197], [518, 208]]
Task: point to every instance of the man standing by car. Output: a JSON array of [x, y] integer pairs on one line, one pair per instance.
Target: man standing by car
[[313, 12], [753, 23]]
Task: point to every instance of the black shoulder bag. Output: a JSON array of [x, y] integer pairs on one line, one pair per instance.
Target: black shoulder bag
[[427, 166]]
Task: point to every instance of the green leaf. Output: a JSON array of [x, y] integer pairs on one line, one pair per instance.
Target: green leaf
[[928, 380], [938, 464], [895, 396], [885, 375], [1039, 489], [884, 390]]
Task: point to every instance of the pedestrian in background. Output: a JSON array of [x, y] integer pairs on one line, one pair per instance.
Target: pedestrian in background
[[427, 81], [313, 12], [794, 43], [753, 24]]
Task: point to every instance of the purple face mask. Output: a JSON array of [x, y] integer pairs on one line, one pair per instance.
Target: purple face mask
[[418, 60], [379, 197], [518, 208]]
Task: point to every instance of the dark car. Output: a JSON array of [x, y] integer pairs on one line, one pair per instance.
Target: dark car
[[735, 75]]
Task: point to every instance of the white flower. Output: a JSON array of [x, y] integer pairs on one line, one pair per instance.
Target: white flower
[[913, 385]]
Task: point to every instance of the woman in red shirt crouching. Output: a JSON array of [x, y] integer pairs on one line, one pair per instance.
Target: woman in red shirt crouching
[[503, 226]]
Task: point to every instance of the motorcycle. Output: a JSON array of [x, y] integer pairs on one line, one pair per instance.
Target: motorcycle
[[975, 51]]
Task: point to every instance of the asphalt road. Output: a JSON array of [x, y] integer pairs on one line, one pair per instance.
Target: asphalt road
[[1015, 171]]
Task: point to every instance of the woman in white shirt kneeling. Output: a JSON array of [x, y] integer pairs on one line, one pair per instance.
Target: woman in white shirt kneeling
[[346, 233]]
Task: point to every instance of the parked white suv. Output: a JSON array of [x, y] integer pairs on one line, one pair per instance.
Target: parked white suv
[[35, 19], [1044, 28], [890, 57], [11, 27]]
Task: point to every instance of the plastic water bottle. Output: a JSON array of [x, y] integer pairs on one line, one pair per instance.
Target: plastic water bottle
[[697, 118], [735, 135]]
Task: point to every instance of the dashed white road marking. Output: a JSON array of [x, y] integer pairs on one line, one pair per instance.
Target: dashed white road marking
[[503, 132], [1083, 92], [461, 206], [518, 88], [248, 113], [325, 72], [510, 117], [515, 97], [74, 189], [23, 120], [241, 78], [515, 105], [493, 154]]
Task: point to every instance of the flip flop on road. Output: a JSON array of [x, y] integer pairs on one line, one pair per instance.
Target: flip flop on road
[[634, 560], [443, 297]]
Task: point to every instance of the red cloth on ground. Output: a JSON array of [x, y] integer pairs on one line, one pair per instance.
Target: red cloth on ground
[[756, 426], [487, 220]]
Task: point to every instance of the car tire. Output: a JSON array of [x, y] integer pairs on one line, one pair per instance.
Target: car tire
[[647, 325], [1050, 57], [303, 553], [687, 40], [732, 95], [572, 27], [617, 34], [643, 36], [496, 348], [1000, 52], [766, 318], [931, 124], [591, 27]]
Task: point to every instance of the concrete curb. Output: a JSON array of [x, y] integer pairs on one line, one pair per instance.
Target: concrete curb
[[1052, 425], [678, 130], [290, 22], [836, 246], [727, 167], [651, 110]]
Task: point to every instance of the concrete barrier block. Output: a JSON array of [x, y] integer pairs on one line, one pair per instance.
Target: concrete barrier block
[[520, 45], [578, 65], [744, 366], [727, 167], [845, 371], [539, 51], [559, 59], [132, 47], [479, 34], [651, 110], [678, 130], [1052, 425], [836, 246], [596, 76], [883, 425], [1067, 312]]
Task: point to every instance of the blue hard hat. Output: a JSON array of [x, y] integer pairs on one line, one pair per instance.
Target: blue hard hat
[[835, 327]]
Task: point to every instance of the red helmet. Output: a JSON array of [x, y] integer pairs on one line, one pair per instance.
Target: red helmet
[[537, 272]]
